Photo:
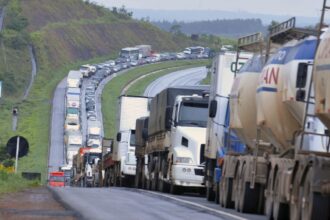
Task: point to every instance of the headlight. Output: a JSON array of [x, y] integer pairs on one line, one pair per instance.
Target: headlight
[[183, 160]]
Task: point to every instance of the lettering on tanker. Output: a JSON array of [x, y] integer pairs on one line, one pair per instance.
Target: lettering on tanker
[[269, 76]]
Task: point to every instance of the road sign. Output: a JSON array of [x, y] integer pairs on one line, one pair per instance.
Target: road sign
[[19, 141]]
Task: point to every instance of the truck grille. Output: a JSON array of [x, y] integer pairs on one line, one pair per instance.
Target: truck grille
[[199, 172]]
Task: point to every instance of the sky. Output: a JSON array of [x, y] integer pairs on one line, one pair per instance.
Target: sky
[[308, 8]]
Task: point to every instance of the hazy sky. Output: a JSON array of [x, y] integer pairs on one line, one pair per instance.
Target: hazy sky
[[275, 7]]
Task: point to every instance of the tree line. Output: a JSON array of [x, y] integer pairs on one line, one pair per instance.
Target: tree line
[[224, 27]]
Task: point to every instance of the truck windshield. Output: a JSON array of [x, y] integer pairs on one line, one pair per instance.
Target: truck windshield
[[56, 178], [92, 157], [193, 114], [94, 136], [132, 138], [74, 111]]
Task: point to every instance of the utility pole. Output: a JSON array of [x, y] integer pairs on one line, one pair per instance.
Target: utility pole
[[17, 151]]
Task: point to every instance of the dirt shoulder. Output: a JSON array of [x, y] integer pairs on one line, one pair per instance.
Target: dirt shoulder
[[33, 204]]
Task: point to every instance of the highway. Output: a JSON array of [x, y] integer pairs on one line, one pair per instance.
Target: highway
[[179, 78], [56, 149], [105, 203]]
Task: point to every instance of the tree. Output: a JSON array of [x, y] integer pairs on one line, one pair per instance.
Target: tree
[[272, 24], [175, 29]]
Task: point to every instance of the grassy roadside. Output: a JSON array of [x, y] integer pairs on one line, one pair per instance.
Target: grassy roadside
[[138, 87], [14, 182], [113, 88]]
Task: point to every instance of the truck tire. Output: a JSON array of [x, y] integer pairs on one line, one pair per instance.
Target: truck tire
[[210, 195], [175, 190], [227, 193], [248, 198], [154, 181], [314, 206], [162, 185], [280, 210], [217, 193]]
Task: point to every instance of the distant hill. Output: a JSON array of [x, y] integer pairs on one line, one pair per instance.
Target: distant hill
[[66, 31], [226, 27]]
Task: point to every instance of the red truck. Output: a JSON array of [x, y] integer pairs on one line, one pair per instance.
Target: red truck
[[56, 179]]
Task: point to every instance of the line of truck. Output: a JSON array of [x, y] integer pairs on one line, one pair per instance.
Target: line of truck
[[257, 140]]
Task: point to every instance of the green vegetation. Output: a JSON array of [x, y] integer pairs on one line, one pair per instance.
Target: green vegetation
[[207, 79], [10, 182], [113, 89], [64, 34]]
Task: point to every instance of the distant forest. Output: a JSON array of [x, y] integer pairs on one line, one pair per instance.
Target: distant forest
[[232, 28]]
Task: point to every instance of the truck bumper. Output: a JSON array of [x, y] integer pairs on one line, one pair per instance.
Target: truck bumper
[[129, 169], [189, 176]]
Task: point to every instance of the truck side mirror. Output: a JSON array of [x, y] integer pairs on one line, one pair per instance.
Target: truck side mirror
[[118, 137], [300, 95], [145, 134], [302, 75], [168, 117], [213, 108]]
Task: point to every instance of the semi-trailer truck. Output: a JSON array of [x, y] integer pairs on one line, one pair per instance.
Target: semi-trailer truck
[[94, 136], [74, 79], [176, 139], [145, 50], [73, 141], [84, 163], [217, 135], [284, 171], [122, 160]]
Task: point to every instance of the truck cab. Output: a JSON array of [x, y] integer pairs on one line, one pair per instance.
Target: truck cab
[[188, 131], [127, 140]]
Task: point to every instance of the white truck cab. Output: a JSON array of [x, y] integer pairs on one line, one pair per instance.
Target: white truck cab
[[188, 131]]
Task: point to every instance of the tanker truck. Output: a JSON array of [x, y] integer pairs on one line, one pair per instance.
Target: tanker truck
[[176, 139], [270, 176], [223, 71]]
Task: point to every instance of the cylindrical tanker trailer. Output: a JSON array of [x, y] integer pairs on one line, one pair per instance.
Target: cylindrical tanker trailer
[[271, 110]]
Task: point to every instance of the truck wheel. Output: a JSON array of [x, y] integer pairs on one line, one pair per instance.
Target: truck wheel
[[227, 197], [313, 205], [270, 196], [210, 195], [175, 190], [162, 185], [249, 198], [155, 177], [280, 210], [217, 193]]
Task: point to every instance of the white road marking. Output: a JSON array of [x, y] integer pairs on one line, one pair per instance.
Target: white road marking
[[196, 205]]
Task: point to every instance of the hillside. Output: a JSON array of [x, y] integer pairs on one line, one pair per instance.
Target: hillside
[[64, 35]]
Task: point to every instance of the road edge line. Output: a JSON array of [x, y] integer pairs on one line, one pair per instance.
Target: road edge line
[[219, 212]]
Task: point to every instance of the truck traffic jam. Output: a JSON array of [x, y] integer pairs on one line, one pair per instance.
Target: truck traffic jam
[[255, 140]]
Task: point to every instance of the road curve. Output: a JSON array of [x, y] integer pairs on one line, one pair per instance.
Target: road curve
[[186, 77]]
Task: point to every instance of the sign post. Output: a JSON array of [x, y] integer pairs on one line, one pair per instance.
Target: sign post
[[17, 151]]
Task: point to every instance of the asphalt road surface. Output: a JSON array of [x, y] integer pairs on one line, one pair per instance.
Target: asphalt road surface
[[187, 77], [124, 203], [56, 150]]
